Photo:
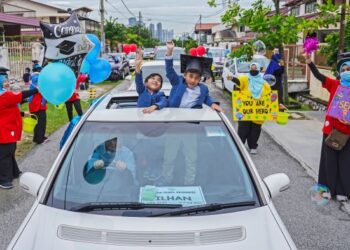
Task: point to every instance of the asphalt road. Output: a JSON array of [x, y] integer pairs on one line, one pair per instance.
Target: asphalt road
[[311, 227]]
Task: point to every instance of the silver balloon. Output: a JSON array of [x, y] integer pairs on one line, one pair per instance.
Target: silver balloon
[[270, 79], [260, 47]]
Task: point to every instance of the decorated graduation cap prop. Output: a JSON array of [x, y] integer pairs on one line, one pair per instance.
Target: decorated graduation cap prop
[[66, 47], [343, 57], [3, 70], [200, 64]]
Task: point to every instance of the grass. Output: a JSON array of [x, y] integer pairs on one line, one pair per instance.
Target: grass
[[304, 107], [56, 118]]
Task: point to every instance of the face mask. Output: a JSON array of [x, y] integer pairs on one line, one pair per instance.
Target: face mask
[[345, 78], [254, 72]]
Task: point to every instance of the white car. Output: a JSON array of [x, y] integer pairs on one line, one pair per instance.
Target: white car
[[131, 58], [160, 53], [185, 182], [158, 67], [239, 66]]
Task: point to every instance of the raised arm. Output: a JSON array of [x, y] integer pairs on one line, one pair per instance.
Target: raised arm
[[314, 70], [140, 87], [169, 65]]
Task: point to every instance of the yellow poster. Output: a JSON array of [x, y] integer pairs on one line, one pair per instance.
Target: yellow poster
[[246, 108]]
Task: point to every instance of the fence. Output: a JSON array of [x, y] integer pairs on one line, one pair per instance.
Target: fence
[[295, 62], [19, 55]]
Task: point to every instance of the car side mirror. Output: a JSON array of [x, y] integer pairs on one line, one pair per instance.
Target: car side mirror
[[31, 183], [276, 184]]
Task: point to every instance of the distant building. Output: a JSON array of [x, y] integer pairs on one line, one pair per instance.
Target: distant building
[[152, 29], [132, 21], [170, 35], [49, 14], [159, 32], [204, 33]]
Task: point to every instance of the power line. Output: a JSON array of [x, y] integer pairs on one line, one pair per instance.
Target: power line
[[116, 9], [127, 8]]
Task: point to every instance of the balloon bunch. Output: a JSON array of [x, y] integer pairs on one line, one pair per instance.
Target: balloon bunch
[[199, 51], [127, 48], [98, 69]]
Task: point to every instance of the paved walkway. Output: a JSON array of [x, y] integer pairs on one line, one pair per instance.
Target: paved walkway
[[301, 139]]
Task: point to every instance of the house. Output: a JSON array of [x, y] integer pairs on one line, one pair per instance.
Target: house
[[48, 13], [204, 33]]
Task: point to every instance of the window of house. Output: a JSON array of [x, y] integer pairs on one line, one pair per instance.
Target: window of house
[[53, 19], [242, 28], [61, 19], [310, 7], [295, 11]]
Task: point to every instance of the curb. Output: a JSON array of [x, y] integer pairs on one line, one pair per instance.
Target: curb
[[307, 168]]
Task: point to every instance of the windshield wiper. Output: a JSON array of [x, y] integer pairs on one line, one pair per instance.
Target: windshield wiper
[[206, 208], [92, 206]]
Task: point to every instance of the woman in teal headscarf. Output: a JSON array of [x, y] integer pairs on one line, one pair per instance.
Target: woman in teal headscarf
[[249, 131], [334, 169]]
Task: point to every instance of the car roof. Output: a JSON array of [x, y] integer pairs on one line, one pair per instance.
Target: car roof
[[103, 113], [158, 63]]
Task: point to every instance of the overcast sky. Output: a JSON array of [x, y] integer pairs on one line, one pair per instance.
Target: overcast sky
[[180, 15]]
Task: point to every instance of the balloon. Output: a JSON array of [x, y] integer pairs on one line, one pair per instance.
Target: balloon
[[95, 52], [99, 71], [201, 51], [270, 79], [193, 52], [133, 47], [56, 82], [126, 48], [260, 47], [85, 67]]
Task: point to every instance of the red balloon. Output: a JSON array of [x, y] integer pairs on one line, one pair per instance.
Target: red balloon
[[201, 50], [193, 52], [133, 47], [126, 48]]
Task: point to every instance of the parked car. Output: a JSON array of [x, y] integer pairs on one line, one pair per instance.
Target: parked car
[[131, 58], [240, 66], [120, 66], [218, 55], [118, 206], [160, 53], [157, 67], [148, 53]]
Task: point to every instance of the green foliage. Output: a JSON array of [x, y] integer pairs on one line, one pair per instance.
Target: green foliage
[[245, 50], [277, 29], [188, 44], [118, 33], [331, 49]]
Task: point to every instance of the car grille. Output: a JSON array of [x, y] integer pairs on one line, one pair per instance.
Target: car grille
[[153, 238]]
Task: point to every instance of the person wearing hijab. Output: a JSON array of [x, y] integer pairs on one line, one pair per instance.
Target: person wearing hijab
[[334, 169], [10, 133], [254, 84], [276, 68]]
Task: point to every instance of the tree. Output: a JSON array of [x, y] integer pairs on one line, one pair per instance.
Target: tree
[[275, 29], [188, 44]]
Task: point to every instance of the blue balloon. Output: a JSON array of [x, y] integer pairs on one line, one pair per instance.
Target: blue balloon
[[95, 52], [99, 71], [56, 82], [85, 67]]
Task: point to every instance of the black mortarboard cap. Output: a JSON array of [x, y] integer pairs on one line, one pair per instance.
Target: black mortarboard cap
[[66, 47], [3, 70], [35, 61], [200, 64], [343, 57]]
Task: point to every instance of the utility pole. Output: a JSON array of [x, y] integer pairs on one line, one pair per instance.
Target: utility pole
[[342, 28], [140, 24], [103, 40]]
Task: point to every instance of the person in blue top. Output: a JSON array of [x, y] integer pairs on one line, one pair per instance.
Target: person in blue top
[[112, 153], [150, 96], [187, 91]]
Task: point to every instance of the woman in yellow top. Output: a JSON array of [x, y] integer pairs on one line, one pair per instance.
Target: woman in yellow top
[[255, 84]]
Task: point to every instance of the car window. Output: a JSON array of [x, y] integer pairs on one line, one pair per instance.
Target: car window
[[216, 53], [147, 70], [190, 164], [160, 53], [243, 67], [131, 56], [233, 69]]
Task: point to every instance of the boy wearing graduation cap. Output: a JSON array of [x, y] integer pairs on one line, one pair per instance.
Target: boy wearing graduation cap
[[38, 106], [187, 91], [150, 96]]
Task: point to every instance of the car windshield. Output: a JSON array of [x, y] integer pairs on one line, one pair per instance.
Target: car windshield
[[131, 56], [216, 53], [160, 53], [172, 163], [147, 70]]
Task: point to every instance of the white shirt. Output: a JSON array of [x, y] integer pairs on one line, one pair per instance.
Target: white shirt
[[190, 97]]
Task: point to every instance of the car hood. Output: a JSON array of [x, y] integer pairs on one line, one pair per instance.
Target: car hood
[[55, 229]]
